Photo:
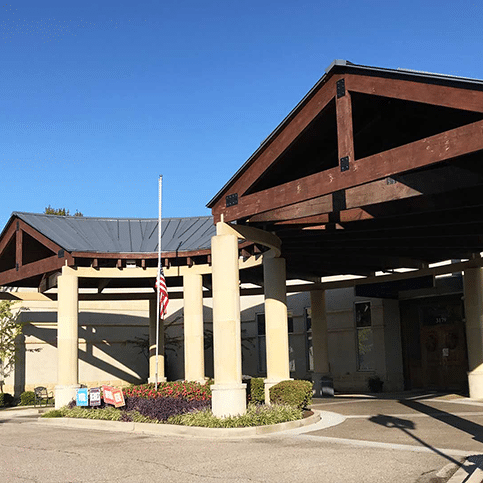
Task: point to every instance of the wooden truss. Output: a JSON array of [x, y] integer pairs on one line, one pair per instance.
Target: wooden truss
[[373, 170]]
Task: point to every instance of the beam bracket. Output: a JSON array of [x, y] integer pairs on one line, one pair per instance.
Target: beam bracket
[[344, 164], [340, 88], [232, 200]]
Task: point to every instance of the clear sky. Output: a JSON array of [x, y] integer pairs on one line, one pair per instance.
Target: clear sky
[[98, 98]]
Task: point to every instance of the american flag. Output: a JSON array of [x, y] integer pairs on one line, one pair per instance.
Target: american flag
[[163, 294]]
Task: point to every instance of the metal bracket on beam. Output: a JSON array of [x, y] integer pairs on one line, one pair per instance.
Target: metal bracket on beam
[[60, 253], [344, 163], [340, 87], [232, 200]]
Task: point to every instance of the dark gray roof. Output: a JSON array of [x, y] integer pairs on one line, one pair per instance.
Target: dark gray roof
[[123, 235], [346, 66]]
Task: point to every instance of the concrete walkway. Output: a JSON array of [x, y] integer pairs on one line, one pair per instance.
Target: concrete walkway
[[403, 438]]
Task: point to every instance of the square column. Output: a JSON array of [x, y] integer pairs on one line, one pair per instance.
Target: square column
[[321, 377], [276, 323], [153, 308], [67, 337], [228, 392], [473, 290], [194, 350]]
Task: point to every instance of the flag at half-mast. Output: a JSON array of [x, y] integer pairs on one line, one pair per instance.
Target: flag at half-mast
[[163, 293]]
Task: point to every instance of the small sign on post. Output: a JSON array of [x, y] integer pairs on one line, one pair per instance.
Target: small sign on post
[[82, 398], [112, 395], [95, 396]]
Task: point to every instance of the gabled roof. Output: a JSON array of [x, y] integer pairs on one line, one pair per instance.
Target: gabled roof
[[122, 235], [340, 66], [374, 169]]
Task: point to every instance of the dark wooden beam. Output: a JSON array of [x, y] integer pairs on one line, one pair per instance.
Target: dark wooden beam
[[49, 264], [345, 134], [273, 148], [427, 151], [5, 240], [18, 248], [39, 237], [315, 206], [456, 98]]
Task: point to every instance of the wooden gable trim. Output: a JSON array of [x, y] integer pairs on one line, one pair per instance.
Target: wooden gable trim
[[8, 236], [39, 267], [453, 97], [283, 139], [427, 151], [39, 237]]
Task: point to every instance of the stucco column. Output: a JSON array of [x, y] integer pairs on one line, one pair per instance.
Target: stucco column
[[194, 351], [228, 392], [67, 337], [153, 304], [321, 376], [473, 290], [276, 324]]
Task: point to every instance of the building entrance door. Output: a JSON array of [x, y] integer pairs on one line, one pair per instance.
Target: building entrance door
[[443, 357]]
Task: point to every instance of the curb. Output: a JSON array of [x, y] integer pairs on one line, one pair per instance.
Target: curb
[[175, 430], [471, 471]]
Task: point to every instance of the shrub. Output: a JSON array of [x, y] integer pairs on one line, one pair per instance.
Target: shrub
[[293, 393], [27, 398], [54, 413], [256, 415], [257, 390], [161, 408], [179, 389], [6, 399]]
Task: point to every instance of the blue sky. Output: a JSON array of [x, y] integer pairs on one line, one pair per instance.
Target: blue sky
[[99, 98]]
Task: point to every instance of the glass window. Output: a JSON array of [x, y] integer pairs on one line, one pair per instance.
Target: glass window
[[365, 342]]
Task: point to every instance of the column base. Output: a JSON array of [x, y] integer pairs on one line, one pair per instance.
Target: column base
[[270, 383], [323, 385], [152, 380], [475, 383], [228, 399], [65, 394]]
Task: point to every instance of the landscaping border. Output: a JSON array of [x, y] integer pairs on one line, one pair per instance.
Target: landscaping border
[[178, 430]]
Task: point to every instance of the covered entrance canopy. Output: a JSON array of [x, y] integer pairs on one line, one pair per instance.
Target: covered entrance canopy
[[375, 169]]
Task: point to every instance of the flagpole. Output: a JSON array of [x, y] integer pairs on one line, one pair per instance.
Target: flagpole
[[158, 281]]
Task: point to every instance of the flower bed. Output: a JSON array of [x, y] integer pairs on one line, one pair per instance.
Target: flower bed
[[179, 389]]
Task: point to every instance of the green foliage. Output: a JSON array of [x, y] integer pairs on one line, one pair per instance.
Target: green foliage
[[10, 329], [27, 398], [256, 415], [257, 390], [294, 393], [178, 389], [6, 399], [54, 413], [107, 414], [60, 211]]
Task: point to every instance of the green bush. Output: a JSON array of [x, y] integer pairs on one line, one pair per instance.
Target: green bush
[[256, 415], [6, 399], [293, 393], [257, 390], [54, 413], [27, 398]]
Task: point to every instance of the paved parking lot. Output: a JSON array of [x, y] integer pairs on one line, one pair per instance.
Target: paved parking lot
[[381, 440]]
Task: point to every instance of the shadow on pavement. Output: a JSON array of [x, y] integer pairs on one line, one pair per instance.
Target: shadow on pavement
[[474, 429], [405, 425]]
